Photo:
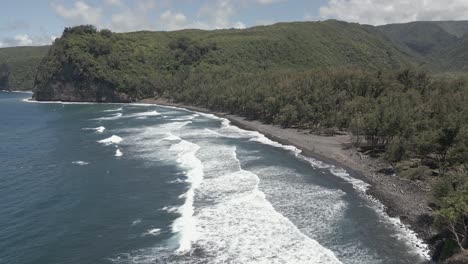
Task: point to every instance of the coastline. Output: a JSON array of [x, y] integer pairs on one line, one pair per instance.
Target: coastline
[[16, 91], [402, 198]]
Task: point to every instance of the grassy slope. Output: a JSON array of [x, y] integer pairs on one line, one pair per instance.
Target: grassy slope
[[23, 62]]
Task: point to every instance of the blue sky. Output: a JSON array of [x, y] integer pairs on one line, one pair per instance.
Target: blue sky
[[26, 22]]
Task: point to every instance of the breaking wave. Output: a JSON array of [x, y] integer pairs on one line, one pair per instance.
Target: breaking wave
[[111, 140]]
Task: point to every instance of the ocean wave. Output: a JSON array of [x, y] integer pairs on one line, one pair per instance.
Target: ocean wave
[[143, 114], [172, 137], [114, 110], [14, 91], [185, 225], [225, 215], [30, 100], [80, 163], [404, 232], [111, 140], [136, 222], [96, 129], [241, 224], [118, 153], [185, 118], [113, 117], [152, 232]]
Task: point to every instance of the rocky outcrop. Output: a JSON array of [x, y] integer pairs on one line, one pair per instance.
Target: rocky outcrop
[[70, 84], [79, 92]]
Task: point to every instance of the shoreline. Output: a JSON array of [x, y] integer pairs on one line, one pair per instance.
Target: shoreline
[[16, 91], [404, 199]]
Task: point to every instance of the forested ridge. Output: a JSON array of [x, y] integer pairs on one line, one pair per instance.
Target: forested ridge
[[18, 66], [393, 94]]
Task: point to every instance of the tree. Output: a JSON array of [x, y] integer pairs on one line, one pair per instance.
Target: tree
[[453, 208], [287, 116]]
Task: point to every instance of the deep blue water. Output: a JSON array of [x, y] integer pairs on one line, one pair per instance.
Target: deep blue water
[[110, 183]]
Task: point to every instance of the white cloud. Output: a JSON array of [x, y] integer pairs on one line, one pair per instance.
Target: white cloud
[[123, 16], [128, 21], [218, 15], [113, 2], [80, 13], [267, 2], [27, 40], [173, 21], [378, 12], [23, 40]]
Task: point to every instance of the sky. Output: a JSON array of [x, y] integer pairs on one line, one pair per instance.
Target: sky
[[39, 22]]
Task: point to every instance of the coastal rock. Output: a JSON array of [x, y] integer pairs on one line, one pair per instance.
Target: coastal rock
[[76, 92]]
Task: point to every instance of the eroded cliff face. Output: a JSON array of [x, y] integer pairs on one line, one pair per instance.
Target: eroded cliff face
[[66, 91], [69, 83]]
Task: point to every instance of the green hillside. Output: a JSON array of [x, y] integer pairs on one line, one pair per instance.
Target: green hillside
[[456, 28], [135, 63], [441, 44], [22, 63]]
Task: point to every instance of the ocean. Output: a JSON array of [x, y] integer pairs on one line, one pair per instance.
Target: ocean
[[135, 183]]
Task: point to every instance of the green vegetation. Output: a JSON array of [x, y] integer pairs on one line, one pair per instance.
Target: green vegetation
[[4, 77], [441, 45], [22, 64], [140, 63], [323, 76]]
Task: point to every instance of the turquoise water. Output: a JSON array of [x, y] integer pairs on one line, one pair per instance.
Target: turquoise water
[[110, 183]]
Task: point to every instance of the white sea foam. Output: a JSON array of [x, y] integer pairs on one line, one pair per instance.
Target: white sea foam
[[30, 100], [172, 137], [225, 216], [136, 222], [404, 232], [118, 153], [171, 209], [185, 118], [113, 117], [241, 224], [80, 163], [185, 225], [177, 181], [264, 140], [143, 114], [96, 129], [111, 140], [153, 232], [114, 110], [8, 91]]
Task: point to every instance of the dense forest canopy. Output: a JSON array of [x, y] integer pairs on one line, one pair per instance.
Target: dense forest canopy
[[22, 64], [388, 86]]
